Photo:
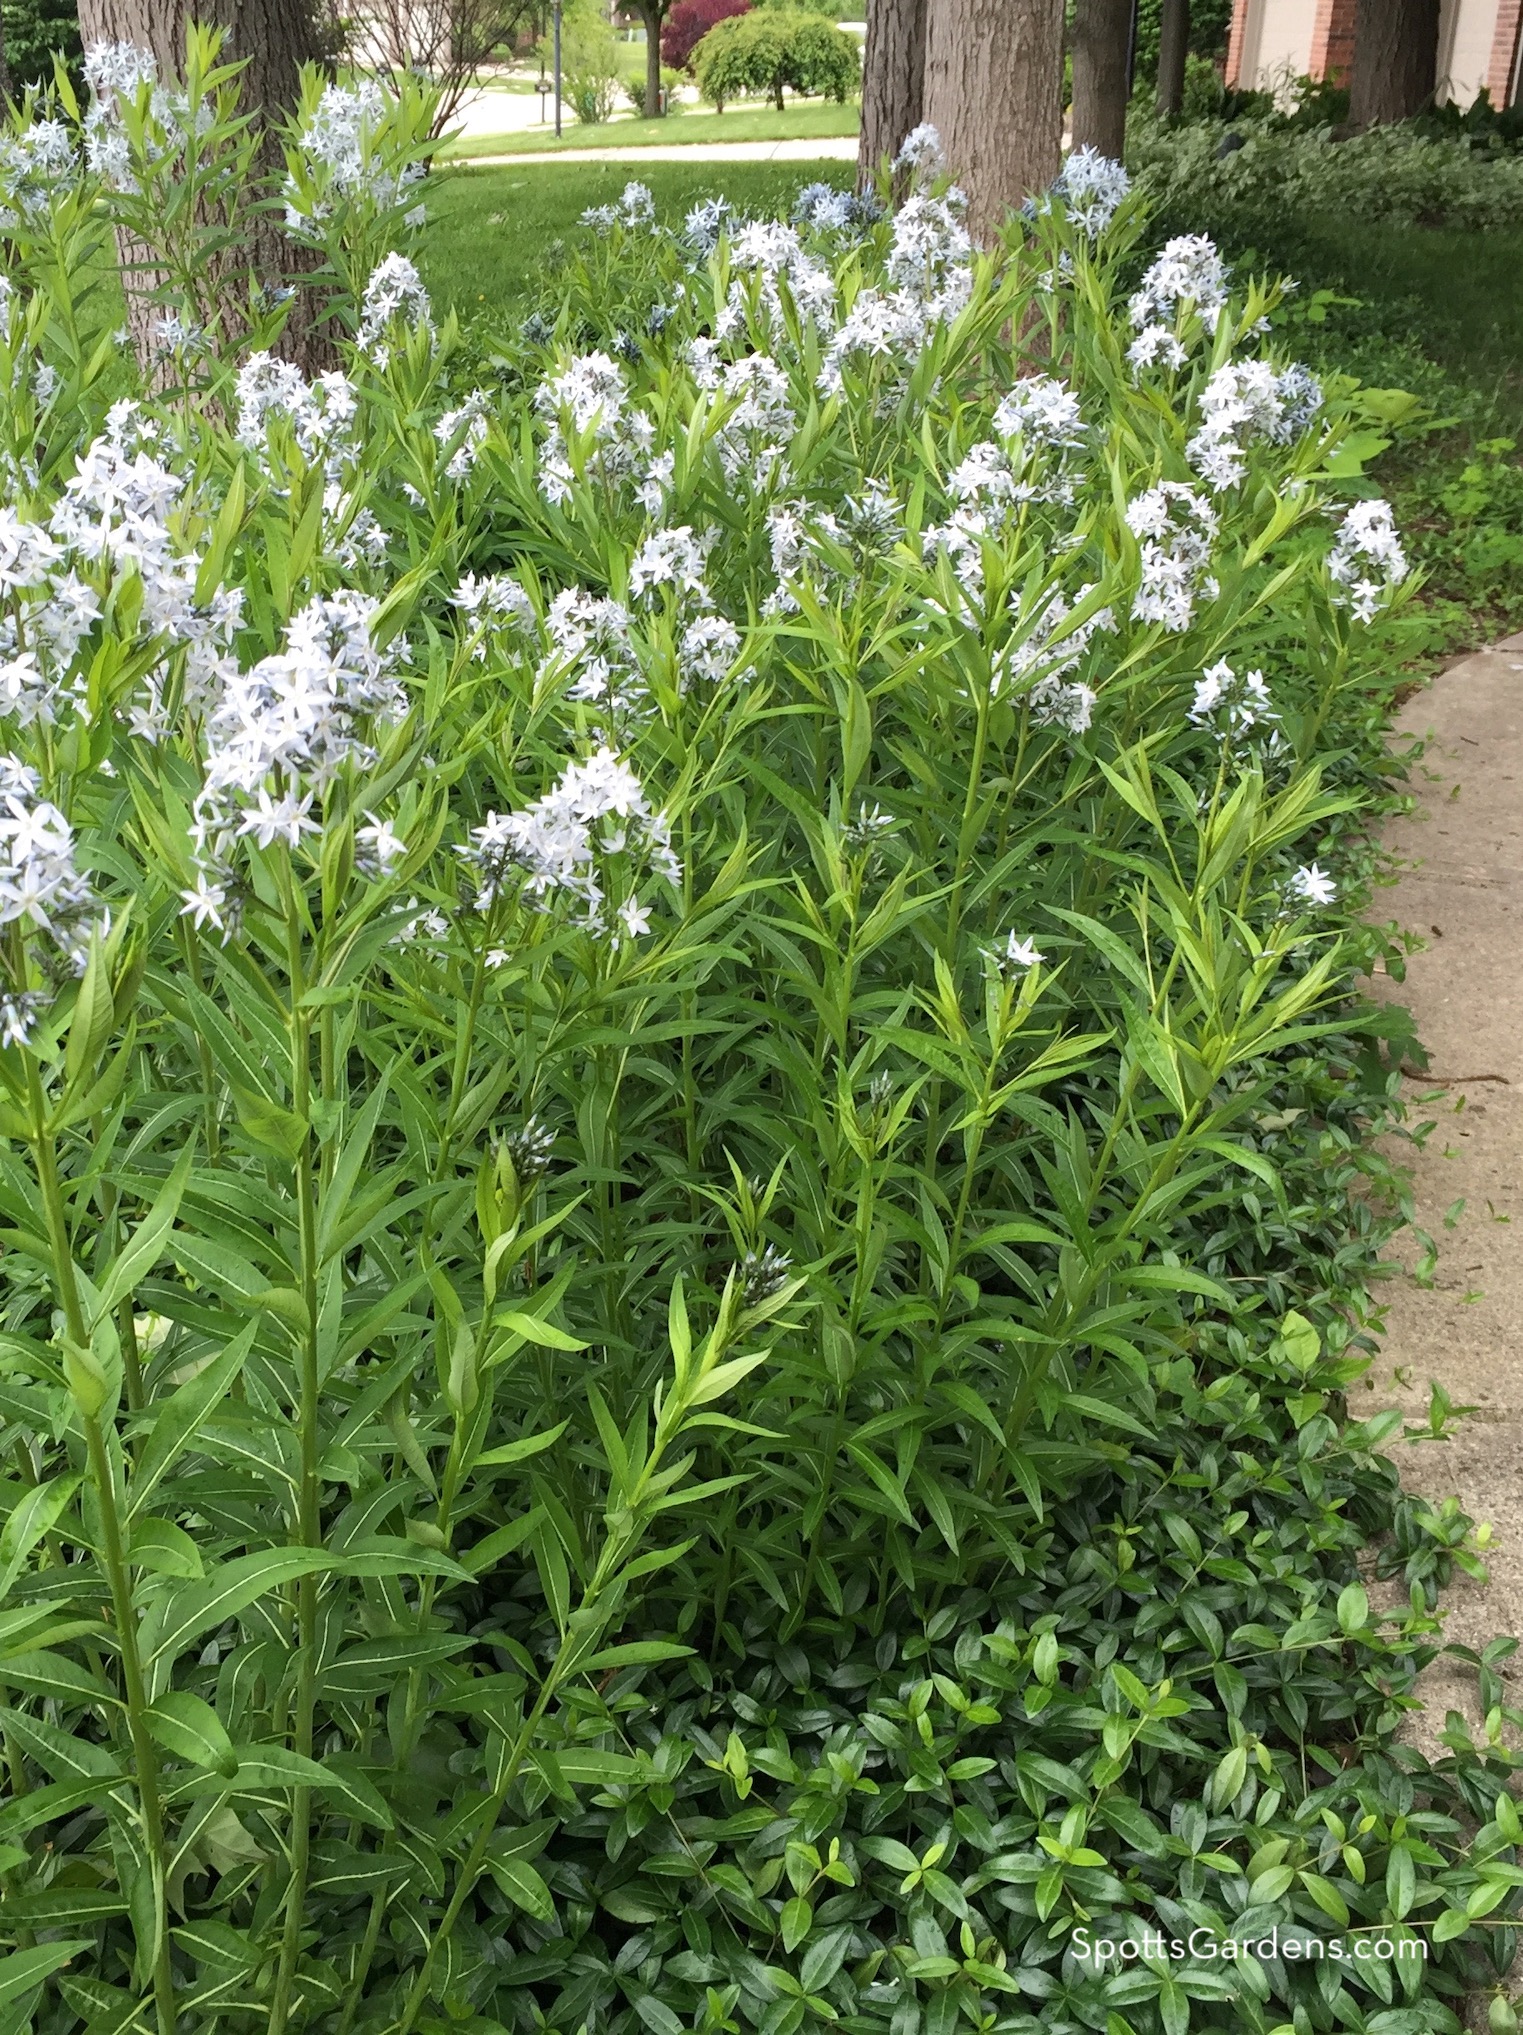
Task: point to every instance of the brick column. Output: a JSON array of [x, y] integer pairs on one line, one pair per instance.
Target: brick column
[[1332, 39], [1235, 37], [1503, 67]]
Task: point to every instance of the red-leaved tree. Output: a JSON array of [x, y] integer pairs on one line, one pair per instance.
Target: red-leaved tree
[[689, 22]]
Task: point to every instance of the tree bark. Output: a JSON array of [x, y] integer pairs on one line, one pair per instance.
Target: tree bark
[[273, 39], [1099, 41], [1395, 60], [1173, 48], [994, 91], [893, 81]]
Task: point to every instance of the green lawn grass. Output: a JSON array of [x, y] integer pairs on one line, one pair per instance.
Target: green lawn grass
[[693, 124], [1439, 313], [484, 246], [1458, 296]]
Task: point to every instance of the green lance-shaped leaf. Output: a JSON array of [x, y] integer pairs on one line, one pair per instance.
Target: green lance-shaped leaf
[[23, 1969], [181, 1414], [264, 1766], [634, 1653], [64, 1755], [190, 1728], [520, 1451], [42, 1672], [166, 1549], [178, 1618], [34, 1515], [146, 1244], [93, 1017], [347, 1171], [270, 1125], [46, 1805], [375, 1664], [521, 1883]]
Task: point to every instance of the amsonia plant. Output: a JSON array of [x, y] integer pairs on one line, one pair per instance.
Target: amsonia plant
[[638, 1006]]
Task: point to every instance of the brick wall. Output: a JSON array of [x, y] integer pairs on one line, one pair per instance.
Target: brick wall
[[1235, 41], [1332, 44], [1503, 68], [1332, 39]]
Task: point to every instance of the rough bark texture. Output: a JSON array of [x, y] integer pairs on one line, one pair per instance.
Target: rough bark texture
[[1098, 41], [994, 89], [893, 80], [1173, 48], [1395, 60], [273, 39]]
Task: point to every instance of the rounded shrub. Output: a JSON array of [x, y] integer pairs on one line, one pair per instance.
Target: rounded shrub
[[773, 50]]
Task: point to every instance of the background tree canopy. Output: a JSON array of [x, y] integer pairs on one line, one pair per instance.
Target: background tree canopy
[[1210, 22], [36, 31]]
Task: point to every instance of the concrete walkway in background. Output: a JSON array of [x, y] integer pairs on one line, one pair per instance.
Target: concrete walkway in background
[[492, 110], [1461, 891], [830, 148]]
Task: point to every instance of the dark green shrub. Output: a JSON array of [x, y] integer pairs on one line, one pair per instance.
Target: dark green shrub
[[36, 33]]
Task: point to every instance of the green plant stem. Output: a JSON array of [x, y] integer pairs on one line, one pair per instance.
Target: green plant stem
[[689, 1012], [361, 1969], [309, 1516], [973, 1152], [453, 1473], [1036, 1371], [967, 835], [967, 831], [145, 1760], [126, 1323], [113, 1552]]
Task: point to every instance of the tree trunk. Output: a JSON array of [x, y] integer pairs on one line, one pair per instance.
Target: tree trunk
[[652, 13], [1395, 60], [273, 39], [1099, 41], [994, 90], [893, 81], [1173, 48]]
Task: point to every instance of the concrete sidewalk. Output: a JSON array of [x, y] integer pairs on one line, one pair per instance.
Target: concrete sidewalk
[[839, 148], [1462, 892]]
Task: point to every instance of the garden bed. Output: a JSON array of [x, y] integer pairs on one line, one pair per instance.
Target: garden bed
[[690, 1178]]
